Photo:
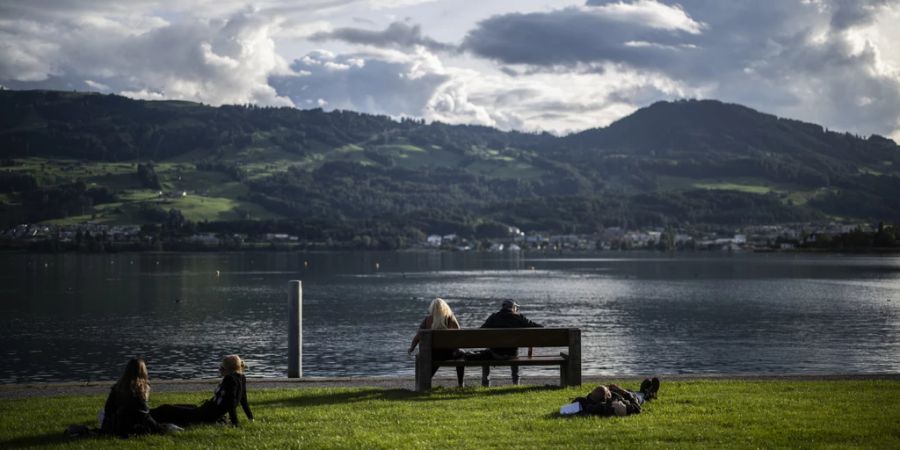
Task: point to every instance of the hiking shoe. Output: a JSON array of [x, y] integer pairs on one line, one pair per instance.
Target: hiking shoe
[[645, 386]]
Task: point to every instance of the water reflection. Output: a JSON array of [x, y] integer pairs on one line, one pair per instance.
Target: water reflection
[[78, 317]]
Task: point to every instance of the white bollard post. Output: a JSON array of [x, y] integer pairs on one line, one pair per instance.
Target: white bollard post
[[295, 329]]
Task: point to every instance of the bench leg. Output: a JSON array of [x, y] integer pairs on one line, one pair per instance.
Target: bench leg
[[423, 374], [563, 374], [573, 366], [486, 376], [424, 361], [514, 371]]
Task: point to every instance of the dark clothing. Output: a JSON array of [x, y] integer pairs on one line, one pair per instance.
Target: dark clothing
[[232, 390], [506, 318], [631, 401], [126, 413]]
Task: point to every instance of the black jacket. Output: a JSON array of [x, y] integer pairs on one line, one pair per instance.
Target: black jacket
[[591, 407], [126, 413], [505, 318], [232, 390]]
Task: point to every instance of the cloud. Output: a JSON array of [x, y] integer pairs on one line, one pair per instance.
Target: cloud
[[649, 13], [854, 13], [559, 102], [377, 82], [584, 35], [396, 35], [806, 60], [215, 61], [542, 68]]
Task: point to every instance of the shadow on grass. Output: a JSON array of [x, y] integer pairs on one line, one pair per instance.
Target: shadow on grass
[[438, 394], [46, 440]]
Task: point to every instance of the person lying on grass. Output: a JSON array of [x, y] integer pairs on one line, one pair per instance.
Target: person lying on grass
[[612, 400], [231, 391]]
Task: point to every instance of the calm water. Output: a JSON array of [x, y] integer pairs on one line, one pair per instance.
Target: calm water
[[79, 317]]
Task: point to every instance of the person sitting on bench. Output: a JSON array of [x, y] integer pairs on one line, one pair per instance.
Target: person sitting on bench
[[440, 317], [507, 317]]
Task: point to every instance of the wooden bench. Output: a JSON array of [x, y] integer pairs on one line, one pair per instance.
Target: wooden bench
[[569, 362]]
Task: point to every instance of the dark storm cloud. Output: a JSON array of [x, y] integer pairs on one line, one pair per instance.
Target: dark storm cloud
[[396, 35], [851, 13], [573, 35]]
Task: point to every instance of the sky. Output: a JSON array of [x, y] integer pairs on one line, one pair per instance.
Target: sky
[[532, 65]]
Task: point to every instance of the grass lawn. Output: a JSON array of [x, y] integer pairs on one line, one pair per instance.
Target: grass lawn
[[688, 414]]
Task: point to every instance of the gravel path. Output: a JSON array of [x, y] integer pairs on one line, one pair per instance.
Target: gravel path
[[28, 390]]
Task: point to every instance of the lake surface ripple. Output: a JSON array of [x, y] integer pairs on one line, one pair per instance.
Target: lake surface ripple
[[75, 317]]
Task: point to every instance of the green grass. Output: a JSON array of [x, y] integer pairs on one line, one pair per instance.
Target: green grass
[[197, 208], [57, 171], [688, 414]]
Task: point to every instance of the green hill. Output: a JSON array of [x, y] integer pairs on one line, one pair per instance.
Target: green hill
[[74, 157]]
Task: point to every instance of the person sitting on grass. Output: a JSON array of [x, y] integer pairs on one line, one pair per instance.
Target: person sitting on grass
[[612, 400], [126, 412], [440, 317], [232, 390]]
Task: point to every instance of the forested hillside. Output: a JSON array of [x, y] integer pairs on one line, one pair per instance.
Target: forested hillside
[[74, 157]]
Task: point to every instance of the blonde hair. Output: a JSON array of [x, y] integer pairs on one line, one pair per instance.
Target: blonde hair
[[232, 364], [440, 314]]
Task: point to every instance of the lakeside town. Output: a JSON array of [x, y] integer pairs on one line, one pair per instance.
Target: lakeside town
[[94, 237]]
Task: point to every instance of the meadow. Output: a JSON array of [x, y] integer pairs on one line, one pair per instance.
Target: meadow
[[720, 414]]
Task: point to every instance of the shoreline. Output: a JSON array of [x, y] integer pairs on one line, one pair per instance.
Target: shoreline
[[16, 391]]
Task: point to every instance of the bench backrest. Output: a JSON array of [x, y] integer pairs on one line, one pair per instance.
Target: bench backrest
[[500, 337]]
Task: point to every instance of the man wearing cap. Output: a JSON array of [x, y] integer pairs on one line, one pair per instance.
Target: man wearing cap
[[507, 317]]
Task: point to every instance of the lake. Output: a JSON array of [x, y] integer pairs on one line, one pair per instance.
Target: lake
[[73, 317]]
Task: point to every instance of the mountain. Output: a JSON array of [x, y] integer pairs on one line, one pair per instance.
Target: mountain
[[71, 157]]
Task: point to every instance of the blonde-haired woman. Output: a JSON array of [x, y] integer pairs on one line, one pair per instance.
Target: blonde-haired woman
[[126, 412], [232, 390], [440, 317]]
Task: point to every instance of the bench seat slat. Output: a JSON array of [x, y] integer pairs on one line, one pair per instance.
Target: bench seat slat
[[524, 361]]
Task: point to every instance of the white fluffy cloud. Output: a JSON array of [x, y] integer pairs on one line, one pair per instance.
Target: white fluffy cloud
[[558, 102], [522, 64], [215, 61]]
